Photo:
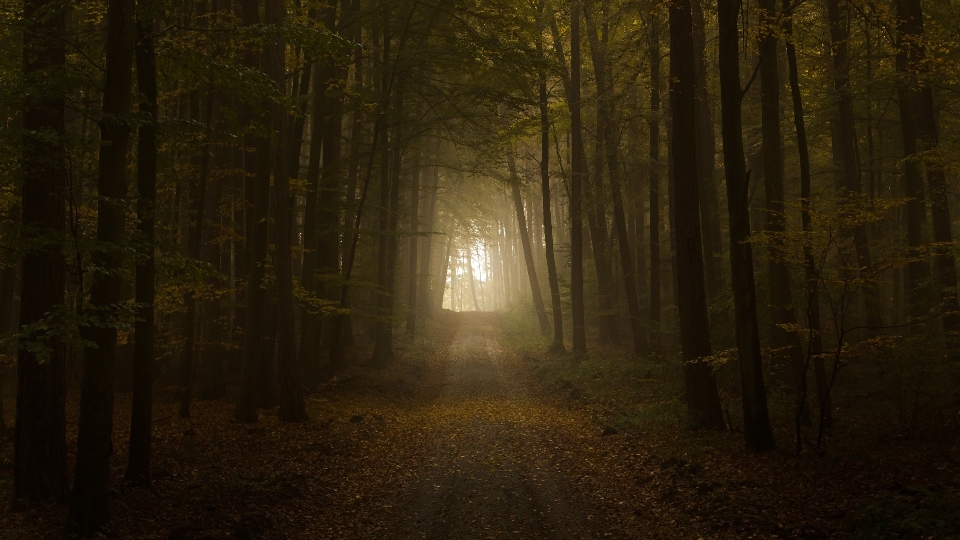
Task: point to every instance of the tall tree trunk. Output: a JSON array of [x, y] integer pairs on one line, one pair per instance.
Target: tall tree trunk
[[90, 499], [703, 400], [292, 408], [198, 187], [552, 276], [811, 273], [40, 444], [211, 384], [328, 216], [654, 129], [381, 354], [576, 188], [606, 115], [414, 243], [706, 170], [425, 302], [311, 316], [756, 418], [918, 269], [844, 141], [945, 262], [782, 315], [141, 414], [252, 386], [527, 251]]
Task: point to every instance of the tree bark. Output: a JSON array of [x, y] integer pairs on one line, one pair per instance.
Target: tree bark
[[706, 170], [90, 501], [412, 255], [775, 222], [576, 188], [552, 277], [703, 400], [756, 418], [606, 115], [811, 273], [525, 243], [654, 129], [292, 408], [251, 393], [40, 444], [945, 262], [141, 415], [844, 141]]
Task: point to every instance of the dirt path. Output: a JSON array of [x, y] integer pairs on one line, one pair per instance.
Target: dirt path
[[496, 468]]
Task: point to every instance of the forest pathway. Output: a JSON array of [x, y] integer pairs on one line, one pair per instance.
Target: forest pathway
[[497, 468]]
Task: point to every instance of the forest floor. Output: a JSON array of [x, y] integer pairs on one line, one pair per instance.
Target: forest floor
[[469, 435]]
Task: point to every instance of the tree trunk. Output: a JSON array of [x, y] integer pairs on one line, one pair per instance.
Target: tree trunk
[[844, 141], [527, 251], [311, 314], [425, 302], [141, 415], [198, 189], [576, 188], [412, 259], [606, 117], [756, 418], [775, 223], [703, 400], [291, 396], [328, 215], [90, 499], [706, 170], [552, 277], [812, 277], [40, 444], [945, 262], [654, 129]]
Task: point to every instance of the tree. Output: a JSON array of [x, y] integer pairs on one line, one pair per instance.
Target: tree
[[40, 445], [756, 418], [90, 500], [654, 186], [576, 187], [141, 415], [703, 400], [525, 243], [292, 408]]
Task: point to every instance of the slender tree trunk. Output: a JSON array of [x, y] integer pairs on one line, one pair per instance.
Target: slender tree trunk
[[606, 116], [252, 386], [90, 500], [756, 418], [654, 129], [527, 251], [782, 314], [576, 188], [291, 396], [382, 355], [141, 415], [703, 400], [194, 243], [945, 262], [412, 254], [812, 277], [552, 276], [918, 269], [328, 215], [311, 316], [425, 303], [845, 149], [211, 384], [706, 170], [40, 444]]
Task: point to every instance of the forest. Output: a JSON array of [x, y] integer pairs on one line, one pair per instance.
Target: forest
[[469, 269]]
